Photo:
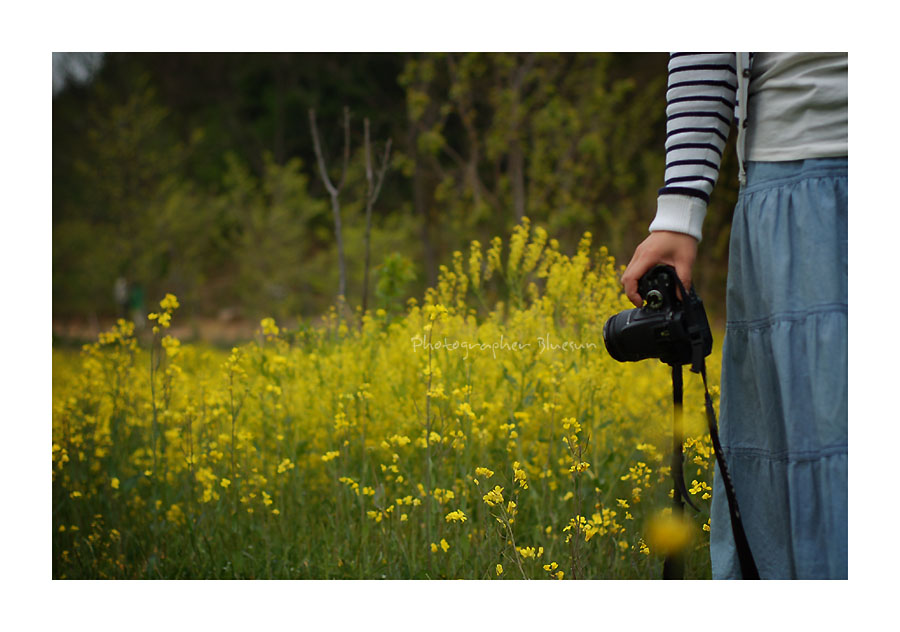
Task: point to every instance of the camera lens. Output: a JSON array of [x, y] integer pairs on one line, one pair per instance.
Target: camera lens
[[619, 337], [633, 335], [609, 329]]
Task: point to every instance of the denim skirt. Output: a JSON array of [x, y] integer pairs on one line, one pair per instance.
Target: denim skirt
[[783, 422]]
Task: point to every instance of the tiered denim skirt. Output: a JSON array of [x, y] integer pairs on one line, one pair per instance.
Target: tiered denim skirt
[[783, 410]]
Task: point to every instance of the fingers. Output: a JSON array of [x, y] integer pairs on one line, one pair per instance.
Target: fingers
[[675, 249], [635, 270]]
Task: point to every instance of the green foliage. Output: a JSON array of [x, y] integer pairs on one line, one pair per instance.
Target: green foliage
[[271, 218], [395, 273], [568, 140], [196, 174]]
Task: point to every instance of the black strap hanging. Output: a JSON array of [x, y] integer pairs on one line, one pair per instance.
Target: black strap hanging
[[673, 567], [745, 557]]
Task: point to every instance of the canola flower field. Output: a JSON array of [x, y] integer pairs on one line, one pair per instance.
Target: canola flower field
[[465, 438]]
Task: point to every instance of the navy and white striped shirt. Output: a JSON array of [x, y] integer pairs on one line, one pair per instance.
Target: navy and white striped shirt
[[797, 105], [700, 106]]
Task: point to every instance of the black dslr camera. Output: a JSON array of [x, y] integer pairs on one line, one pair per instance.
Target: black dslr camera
[[667, 328]]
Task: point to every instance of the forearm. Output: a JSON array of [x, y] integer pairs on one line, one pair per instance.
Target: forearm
[[699, 110]]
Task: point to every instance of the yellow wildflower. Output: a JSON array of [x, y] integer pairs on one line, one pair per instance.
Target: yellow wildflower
[[269, 328], [494, 497], [374, 515], [169, 303], [456, 516], [483, 471]]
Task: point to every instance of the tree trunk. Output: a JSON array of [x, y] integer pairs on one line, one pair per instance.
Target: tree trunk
[[422, 209]]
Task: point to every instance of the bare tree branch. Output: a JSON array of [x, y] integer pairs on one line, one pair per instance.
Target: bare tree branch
[[334, 192], [344, 167], [368, 157], [372, 191], [318, 148], [385, 161]]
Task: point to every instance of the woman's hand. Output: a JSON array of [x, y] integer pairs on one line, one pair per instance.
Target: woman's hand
[[678, 250]]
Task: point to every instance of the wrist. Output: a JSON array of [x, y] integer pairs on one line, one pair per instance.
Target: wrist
[[679, 214]]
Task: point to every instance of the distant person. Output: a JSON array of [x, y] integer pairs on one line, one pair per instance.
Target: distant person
[[120, 293], [784, 366], [138, 309]]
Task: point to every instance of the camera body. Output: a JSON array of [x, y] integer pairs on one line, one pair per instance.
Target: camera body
[[666, 327]]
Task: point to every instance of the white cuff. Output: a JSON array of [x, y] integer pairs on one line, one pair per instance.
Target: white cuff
[[679, 214]]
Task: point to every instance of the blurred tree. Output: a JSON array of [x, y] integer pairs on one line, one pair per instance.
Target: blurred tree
[[565, 139], [272, 217], [137, 218], [195, 173], [395, 273]]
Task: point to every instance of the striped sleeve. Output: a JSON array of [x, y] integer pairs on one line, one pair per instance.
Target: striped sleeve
[[700, 103]]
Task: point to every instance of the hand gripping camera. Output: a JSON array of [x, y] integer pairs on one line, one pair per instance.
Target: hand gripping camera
[[673, 330]]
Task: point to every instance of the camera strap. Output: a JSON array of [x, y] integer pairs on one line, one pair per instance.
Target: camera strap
[[698, 365], [745, 557], [673, 568]]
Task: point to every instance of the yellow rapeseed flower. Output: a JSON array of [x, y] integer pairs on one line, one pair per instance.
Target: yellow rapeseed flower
[[269, 328], [494, 497], [374, 515], [456, 516], [169, 303]]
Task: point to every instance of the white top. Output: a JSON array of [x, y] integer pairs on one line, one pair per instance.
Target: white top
[[797, 107]]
